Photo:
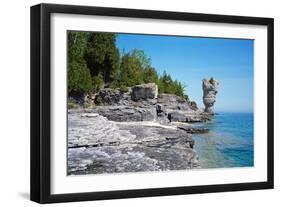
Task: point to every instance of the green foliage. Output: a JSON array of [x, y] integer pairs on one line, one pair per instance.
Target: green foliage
[[212, 81], [167, 85], [79, 78], [98, 83], [94, 62], [143, 60], [77, 44], [150, 75], [124, 89], [185, 97], [135, 68], [131, 71], [102, 55]]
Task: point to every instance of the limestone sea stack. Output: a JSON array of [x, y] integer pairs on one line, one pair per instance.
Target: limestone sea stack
[[209, 94]]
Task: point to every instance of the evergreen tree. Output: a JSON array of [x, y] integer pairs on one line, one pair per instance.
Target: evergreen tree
[[130, 71], [150, 75], [102, 55], [98, 83], [167, 85], [79, 78]]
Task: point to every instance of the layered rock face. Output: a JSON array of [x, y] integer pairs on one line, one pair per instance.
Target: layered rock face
[[133, 130], [137, 104], [142, 103], [127, 113], [181, 110], [173, 102], [112, 97], [209, 94]]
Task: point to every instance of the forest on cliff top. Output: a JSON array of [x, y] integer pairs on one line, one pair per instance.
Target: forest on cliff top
[[95, 62]]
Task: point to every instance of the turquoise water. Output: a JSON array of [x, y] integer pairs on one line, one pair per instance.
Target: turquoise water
[[229, 143]]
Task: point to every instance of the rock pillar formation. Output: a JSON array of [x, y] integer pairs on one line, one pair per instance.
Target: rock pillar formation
[[209, 94]]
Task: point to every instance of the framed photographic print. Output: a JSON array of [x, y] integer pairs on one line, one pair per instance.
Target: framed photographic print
[[133, 103]]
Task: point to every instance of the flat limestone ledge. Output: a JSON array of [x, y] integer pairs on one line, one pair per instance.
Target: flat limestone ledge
[[97, 145], [127, 113], [189, 117]]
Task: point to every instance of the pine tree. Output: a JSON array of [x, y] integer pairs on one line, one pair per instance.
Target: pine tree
[[79, 78], [102, 55]]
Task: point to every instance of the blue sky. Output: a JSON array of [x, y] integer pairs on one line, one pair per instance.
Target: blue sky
[[189, 60]]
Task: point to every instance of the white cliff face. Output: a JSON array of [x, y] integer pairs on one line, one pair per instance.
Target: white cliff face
[[209, 94]]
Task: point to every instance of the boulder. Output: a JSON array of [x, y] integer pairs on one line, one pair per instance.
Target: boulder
[[108, 96], [176, 116], [144, 91]]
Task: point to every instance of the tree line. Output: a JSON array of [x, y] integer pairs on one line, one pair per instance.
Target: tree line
[[95, 62]]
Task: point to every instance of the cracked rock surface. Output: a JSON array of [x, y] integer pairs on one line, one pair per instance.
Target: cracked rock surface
[[97, 145]]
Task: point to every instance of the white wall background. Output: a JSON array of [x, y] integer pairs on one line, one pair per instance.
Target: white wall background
[[14, 101]]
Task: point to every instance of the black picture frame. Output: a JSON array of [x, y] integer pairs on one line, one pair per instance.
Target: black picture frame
[[41, 99]]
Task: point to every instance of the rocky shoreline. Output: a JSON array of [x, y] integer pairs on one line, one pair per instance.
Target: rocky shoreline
[[97, 145], [133, 131]]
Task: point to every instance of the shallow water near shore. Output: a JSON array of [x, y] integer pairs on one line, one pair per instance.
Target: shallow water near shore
[[230, 142]]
